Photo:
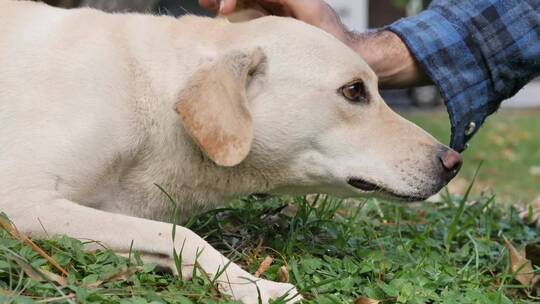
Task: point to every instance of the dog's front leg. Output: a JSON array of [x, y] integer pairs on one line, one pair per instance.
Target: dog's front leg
[[150, 238]]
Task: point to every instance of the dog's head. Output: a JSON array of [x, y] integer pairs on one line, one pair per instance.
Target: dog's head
[[304, 109]]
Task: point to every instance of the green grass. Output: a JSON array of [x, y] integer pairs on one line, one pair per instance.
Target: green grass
[[509, 147], [335, 251]]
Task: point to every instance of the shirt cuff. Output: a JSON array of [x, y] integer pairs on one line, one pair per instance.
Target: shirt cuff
[[443, 48]]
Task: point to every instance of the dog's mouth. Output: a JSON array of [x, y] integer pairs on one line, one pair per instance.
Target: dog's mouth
[[370, 187], [363, 185]]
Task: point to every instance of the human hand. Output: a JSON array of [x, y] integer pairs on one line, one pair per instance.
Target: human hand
[[384, 51], [315, 12]]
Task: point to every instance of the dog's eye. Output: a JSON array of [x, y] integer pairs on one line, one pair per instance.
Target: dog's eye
[[354, 92]]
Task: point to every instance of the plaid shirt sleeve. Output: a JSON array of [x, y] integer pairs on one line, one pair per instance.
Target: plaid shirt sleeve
[[477, 52]]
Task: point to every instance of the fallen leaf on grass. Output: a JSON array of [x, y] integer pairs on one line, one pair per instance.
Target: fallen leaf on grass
[[60, 280], [283, 274], [27, 269], [39, 275], [532, 252], [264, 266], [290, 210], [521, 267], [364, 300]]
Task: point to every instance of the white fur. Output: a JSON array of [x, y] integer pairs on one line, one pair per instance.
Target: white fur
[[87, 127]]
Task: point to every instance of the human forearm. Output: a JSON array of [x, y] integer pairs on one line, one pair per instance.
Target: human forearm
[[389, 57], [477, 52], [384, 51]]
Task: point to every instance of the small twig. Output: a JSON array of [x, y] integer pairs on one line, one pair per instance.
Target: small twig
[[12, 231], [43, 227]]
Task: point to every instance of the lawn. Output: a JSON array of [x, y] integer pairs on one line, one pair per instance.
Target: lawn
[[449, 251], [508, 145]]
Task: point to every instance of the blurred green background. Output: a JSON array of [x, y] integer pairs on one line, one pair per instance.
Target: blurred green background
[[509, 147]]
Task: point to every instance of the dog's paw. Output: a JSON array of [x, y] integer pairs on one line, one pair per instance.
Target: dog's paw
[[261, 291]]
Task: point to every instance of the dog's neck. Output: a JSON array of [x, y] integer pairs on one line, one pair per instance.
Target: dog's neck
[[190, 178], [193, 181]]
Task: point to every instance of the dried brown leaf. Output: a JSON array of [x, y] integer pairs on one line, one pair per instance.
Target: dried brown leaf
[[283, 274], [290, 210], [520, 266], [96, 284], [60, 280], [264, 266], [364, 300], [39, 275], [28, 269]]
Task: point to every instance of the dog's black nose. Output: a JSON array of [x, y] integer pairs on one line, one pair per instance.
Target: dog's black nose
[[451, 161]]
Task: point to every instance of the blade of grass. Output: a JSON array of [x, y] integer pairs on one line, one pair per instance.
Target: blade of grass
[[6, 225], [452, 230]]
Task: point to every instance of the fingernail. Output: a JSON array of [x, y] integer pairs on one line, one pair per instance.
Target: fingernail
[[221, 5]]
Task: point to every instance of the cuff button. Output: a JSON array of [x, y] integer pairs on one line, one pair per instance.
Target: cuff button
[[470, 129]]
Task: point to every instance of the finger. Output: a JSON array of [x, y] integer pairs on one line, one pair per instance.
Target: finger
[[306, 10], [211, 5], [309, 11], [275, 7], [226, 6]]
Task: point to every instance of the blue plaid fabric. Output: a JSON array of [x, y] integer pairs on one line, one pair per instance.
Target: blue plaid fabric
[[477, 52]]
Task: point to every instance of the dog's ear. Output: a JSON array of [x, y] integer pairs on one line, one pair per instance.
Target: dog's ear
[[215, 110]]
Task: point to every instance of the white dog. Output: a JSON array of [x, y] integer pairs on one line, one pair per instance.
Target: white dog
[[97, 108]]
